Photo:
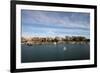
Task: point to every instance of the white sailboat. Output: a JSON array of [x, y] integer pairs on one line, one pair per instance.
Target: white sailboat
[[64, 48], [54, 43]]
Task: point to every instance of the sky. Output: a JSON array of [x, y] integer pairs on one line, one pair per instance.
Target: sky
[[55, 23]]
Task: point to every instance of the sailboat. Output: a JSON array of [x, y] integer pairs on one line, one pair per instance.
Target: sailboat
[[54, 43], [64, 48]]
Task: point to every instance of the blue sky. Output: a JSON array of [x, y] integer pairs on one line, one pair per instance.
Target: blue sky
[[52, 23]]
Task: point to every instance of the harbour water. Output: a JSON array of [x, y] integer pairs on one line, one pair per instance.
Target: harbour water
[[54, 52]]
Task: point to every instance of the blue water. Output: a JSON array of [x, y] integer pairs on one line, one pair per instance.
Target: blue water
[[51, 52]]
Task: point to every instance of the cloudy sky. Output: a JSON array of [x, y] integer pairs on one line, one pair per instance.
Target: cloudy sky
[[52, 23]]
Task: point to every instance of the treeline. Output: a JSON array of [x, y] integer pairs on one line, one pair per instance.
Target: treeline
[[48, 40]]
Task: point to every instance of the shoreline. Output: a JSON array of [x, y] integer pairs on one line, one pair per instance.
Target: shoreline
[[56, 40]]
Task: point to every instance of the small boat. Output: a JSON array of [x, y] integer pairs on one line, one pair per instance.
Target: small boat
[[64, 48], [29, 44], [54, 43]]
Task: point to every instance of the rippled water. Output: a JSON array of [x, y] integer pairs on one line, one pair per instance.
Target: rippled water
[[51, 52]]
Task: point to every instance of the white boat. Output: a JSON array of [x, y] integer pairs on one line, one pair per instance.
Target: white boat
[[54, 43], [64, 48]]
